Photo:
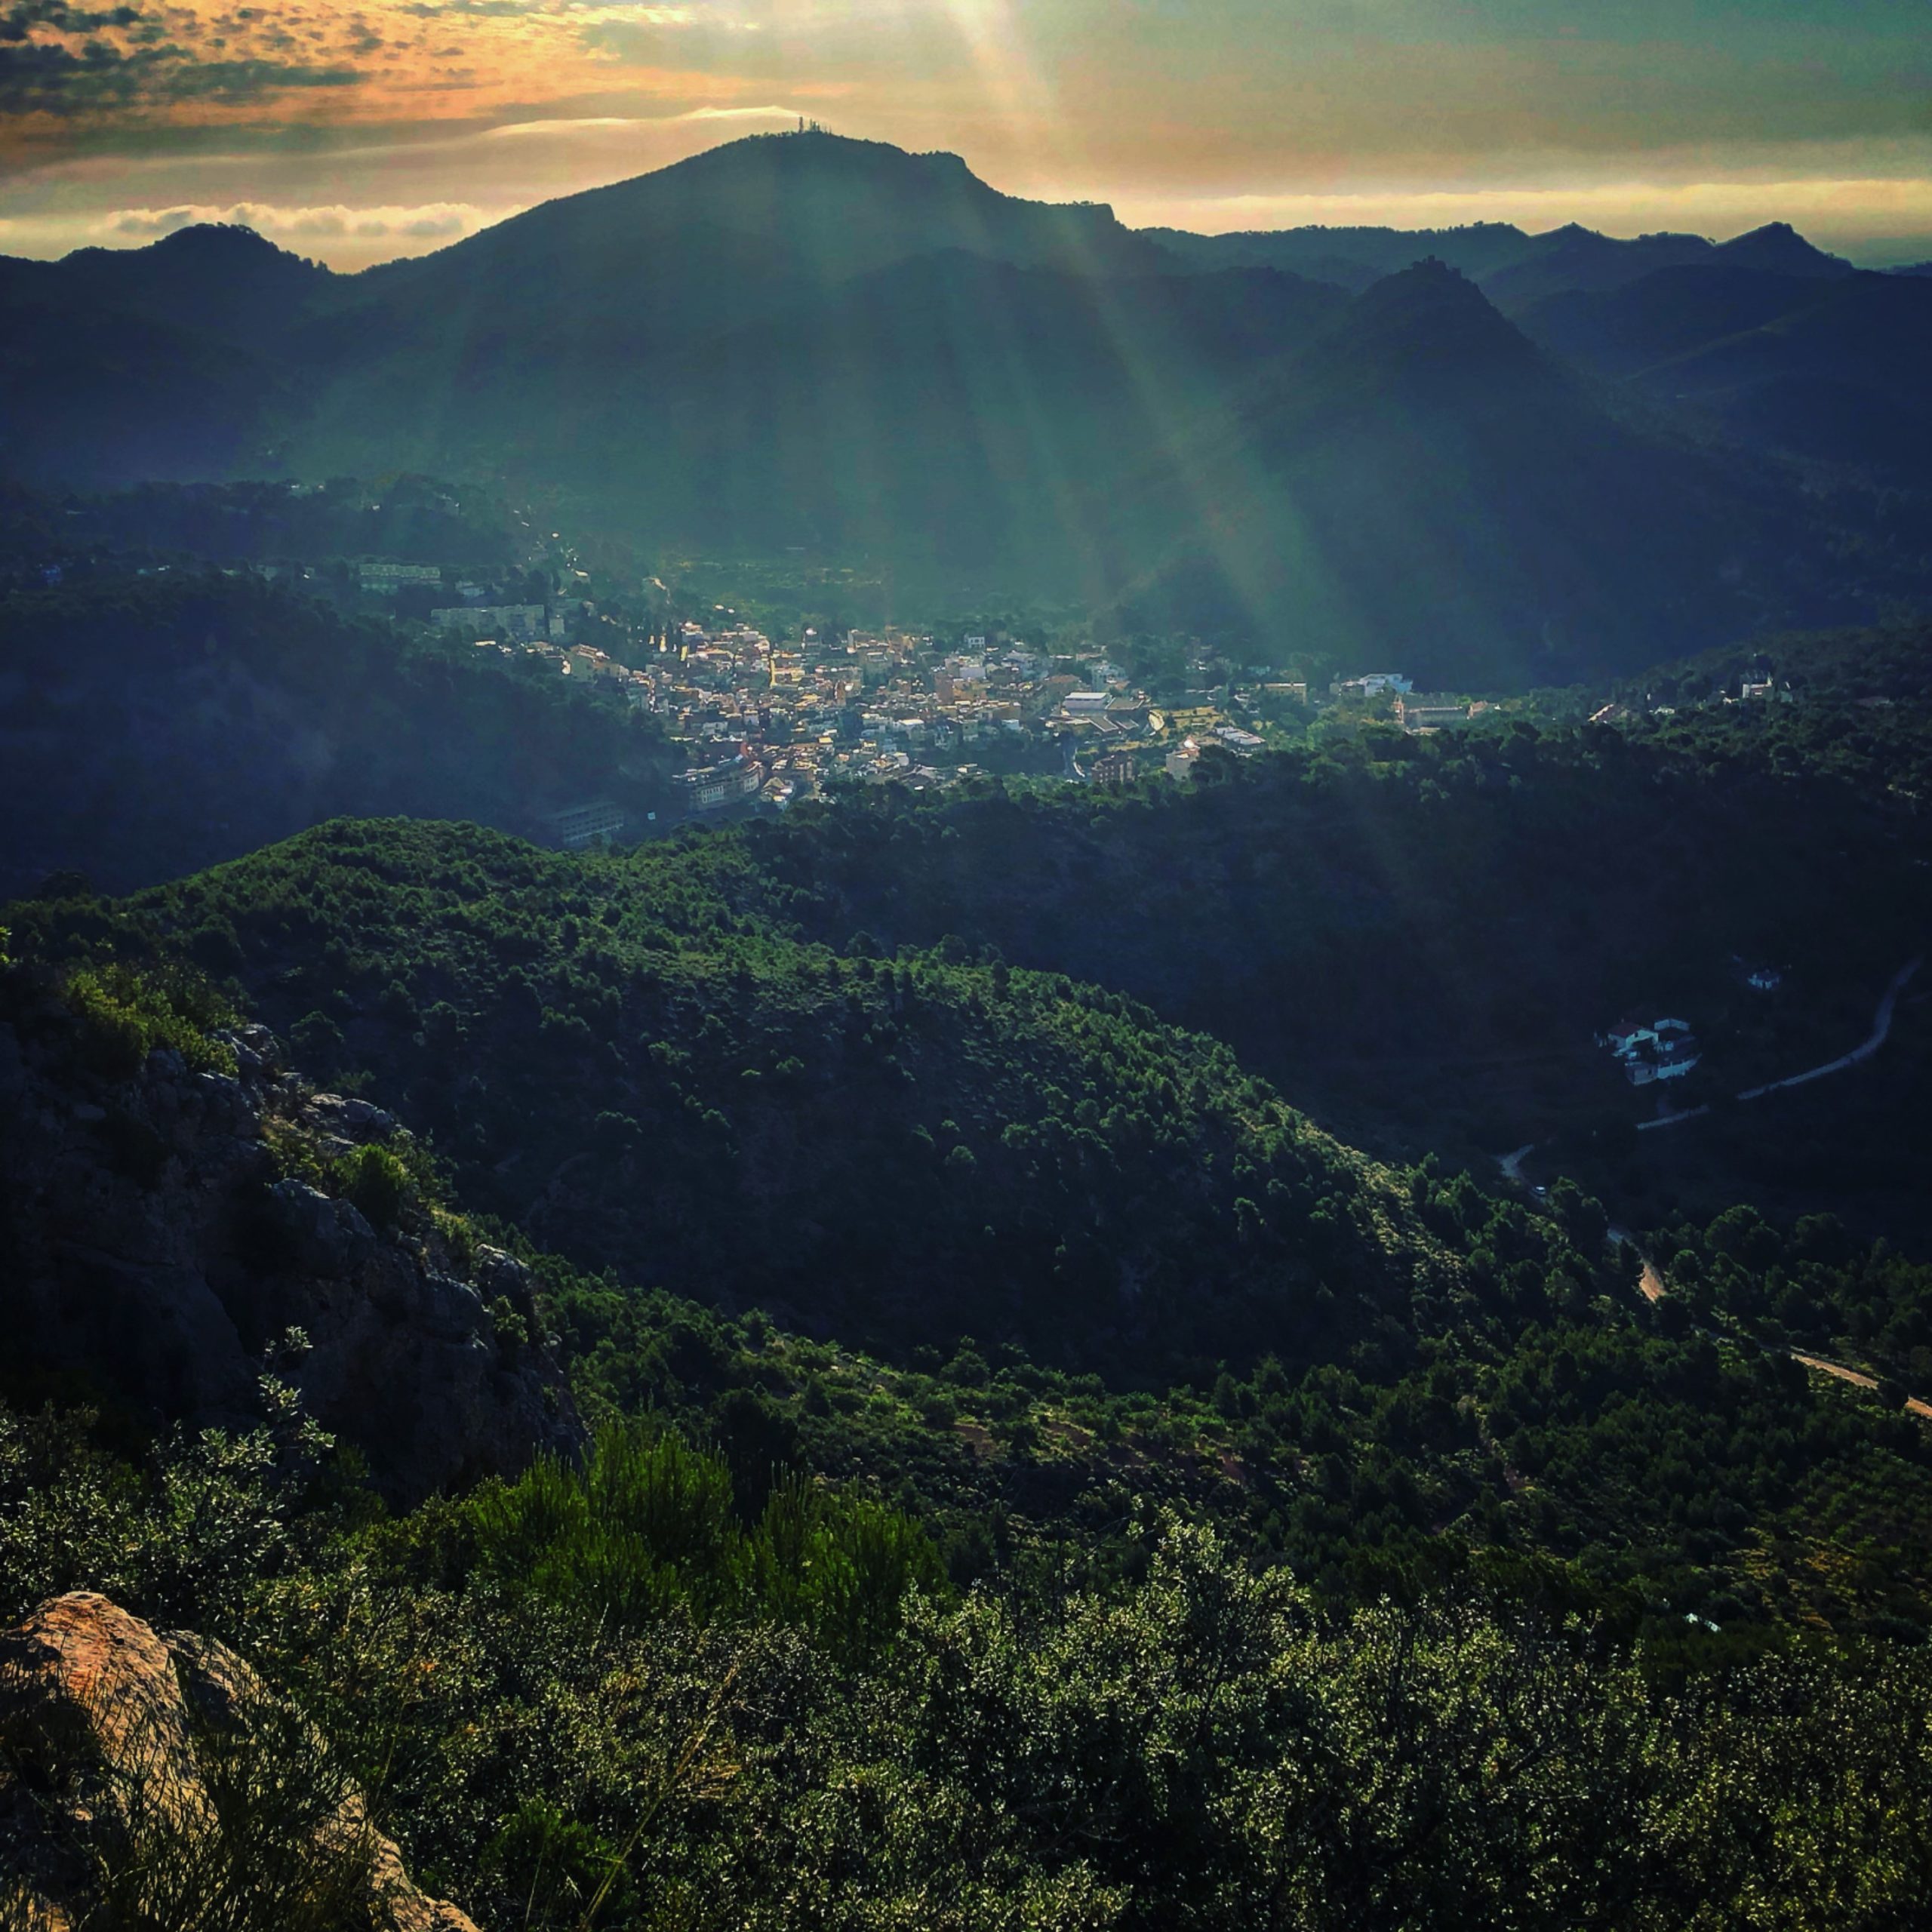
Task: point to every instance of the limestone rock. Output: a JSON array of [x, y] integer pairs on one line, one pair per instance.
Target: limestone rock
[[114, 1740], [326, 1237], [157, 1249]]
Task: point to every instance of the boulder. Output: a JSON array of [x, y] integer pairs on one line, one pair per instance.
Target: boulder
[[161, 1763], [325, 1236]]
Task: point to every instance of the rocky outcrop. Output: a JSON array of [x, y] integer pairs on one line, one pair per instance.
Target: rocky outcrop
[[164, 1230], [156, 1767]]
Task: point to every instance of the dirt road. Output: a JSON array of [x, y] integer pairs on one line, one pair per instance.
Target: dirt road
[[1860, 1377]]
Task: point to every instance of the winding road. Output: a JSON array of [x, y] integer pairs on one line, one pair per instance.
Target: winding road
[[1881, 1027], [1654, 1287], [1651, 1281]]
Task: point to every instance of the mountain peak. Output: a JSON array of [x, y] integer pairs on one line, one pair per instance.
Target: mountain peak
[[1777, 248], [816, 209], [233, 239], [1431, 294], [220, 246], [1426, 325]]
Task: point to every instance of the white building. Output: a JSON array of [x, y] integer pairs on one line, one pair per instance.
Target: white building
[[520, 623], [1654, 1049], [594, 823], [387, 579], [711, 788]]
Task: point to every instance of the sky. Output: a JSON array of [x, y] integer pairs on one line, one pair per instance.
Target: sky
[[355, 132]]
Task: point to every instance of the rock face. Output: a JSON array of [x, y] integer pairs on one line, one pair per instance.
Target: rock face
[[158, 1766], [157, 1245]]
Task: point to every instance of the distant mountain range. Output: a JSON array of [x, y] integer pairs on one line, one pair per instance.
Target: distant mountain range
[[805, 341]]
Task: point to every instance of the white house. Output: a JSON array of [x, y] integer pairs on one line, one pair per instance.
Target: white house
[[1664, 1049]]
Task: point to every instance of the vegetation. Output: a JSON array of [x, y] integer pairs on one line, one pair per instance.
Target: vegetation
[[1500, 1601], [1201, 1743], [1386, 1378], [1033, 1475], [155, 723]]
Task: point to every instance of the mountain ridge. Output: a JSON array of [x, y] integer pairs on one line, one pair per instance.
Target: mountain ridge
[[804, 342]]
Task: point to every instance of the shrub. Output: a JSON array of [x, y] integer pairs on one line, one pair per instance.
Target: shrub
[[374, 1180], [126, 1012]]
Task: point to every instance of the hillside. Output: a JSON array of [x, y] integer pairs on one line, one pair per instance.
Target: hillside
[[152, 724], [1419, 483], [950, 411], [1249, 1435], [1526, 1492], [183, 1218], [1420, 939], [1823, 367], [895, 1153], [1386, 1378]]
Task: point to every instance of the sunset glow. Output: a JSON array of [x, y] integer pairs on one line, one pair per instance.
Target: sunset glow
[[354, 132]]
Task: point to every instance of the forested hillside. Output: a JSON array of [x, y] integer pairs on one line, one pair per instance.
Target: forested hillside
[[895, 1150], [152, 724], [1420, 938], [733, 1670]]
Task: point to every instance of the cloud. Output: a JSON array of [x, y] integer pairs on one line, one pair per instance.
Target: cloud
[[587, 124], [630, 35], [649, 15], [581, 124], [72, 62], [436, 221], [737, 114], [18, 22]]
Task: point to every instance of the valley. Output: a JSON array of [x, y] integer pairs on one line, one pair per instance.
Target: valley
[[871, 1056]]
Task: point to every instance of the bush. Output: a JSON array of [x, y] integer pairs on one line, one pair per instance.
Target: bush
[[126, 1012], [374, 1180]]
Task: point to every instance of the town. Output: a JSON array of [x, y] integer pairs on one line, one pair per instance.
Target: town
[[754, 719]]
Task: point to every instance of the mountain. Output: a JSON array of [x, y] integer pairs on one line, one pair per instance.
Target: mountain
[[1353, 257], [1777, 248], [801, 212], [951, 405], [129, 365], [1513, 268], [1578, 257], [214, 278], [803, 343], [1661, 316], [1419, 484], [1799, 359]]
